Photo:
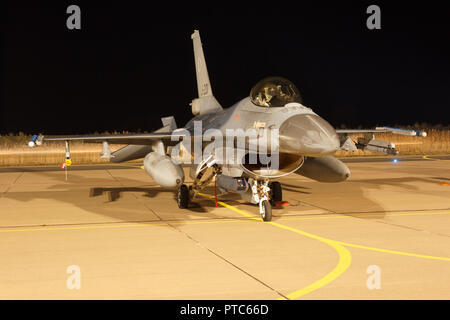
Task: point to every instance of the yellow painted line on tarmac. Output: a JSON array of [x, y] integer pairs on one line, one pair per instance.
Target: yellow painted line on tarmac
[[174, 222], [208, 221], [51, 228], [345, 257], [428, 158], [115, 226], [343, 264], [226, 205], [392, 251], [356, 215]]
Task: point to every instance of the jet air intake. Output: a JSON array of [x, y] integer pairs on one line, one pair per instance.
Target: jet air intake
[[163, 170], [279, 165]]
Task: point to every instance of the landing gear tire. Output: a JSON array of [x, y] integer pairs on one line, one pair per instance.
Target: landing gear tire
[[267, 211], [183, 197], [276, 192]]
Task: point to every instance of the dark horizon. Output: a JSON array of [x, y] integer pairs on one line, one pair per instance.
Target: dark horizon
[[130, 65]]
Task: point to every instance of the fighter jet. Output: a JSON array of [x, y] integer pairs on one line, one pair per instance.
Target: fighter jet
[[280, 136]]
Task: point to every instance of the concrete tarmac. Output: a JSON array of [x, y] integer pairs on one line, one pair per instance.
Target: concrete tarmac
[[383, 234]]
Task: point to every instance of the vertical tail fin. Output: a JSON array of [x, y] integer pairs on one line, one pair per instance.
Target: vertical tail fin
[[206, 102], [203, 84]]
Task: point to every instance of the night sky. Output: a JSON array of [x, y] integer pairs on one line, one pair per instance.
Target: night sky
[[131, 64]]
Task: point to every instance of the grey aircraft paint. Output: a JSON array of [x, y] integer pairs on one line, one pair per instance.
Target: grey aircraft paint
[[306, 141]]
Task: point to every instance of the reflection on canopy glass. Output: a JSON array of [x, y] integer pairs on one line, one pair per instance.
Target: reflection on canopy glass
[[274, 92]]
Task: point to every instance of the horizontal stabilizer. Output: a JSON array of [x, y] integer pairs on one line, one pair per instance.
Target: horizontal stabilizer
[[169, 122]]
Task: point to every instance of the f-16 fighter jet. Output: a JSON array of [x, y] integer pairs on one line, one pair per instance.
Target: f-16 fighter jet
[[245, 148]]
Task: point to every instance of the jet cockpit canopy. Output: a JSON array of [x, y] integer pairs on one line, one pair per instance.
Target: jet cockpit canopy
[[274, 92]]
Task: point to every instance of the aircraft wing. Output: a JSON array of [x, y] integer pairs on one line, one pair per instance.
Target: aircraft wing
[[135, 139], [368, 141], [169, 134], [384, 129]]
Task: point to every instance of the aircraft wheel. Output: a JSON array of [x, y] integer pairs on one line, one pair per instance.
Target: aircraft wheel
[[267, 211], [183, 197], [276, 192]]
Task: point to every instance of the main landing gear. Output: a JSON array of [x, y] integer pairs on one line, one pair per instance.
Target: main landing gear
[[276, 193], [183, 197], [206, 171]]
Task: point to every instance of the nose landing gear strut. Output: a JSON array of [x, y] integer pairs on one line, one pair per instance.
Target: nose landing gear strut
[[261, 195]]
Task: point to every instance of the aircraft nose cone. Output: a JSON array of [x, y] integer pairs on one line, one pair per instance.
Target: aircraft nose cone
[[308, 134]]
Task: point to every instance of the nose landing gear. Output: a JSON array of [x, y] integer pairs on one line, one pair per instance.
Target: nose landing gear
[[265, 208], [261, 195]]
